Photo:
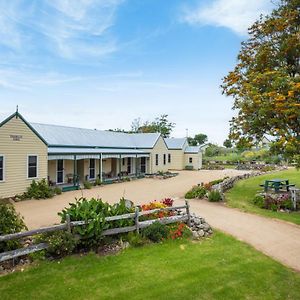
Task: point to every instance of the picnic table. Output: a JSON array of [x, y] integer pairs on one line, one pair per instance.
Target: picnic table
[[277, 185]]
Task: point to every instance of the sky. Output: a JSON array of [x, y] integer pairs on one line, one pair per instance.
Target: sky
[[102, 63]]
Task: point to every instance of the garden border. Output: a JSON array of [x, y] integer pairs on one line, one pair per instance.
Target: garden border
[[68, 225]]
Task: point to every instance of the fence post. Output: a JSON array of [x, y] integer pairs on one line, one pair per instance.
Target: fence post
[[136, 219], [188, 213], [68, 219]]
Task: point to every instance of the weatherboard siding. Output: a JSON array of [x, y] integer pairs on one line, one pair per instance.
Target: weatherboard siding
[[177, 160], [160, 148], [197, 160], [16, 153]]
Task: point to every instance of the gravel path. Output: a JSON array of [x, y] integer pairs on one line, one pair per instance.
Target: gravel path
[[277, 239], [39, 213]]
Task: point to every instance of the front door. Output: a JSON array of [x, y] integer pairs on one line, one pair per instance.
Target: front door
[[143, 165], [129, 165], [92, 169], [60, 171]]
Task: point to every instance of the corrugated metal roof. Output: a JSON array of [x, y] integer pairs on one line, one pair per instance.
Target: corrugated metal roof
[[71, 150], [175, 143], [192, 149], [56, 135]]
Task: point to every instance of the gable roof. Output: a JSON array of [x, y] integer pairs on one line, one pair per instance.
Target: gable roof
[[175, 143], [57, 136], [18, 115], [192, 149]]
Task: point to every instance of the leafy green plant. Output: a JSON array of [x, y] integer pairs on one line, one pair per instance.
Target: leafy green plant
[[214, 196], [87, 185], [57, 191], [93, 212], [259, 201], [135, 240], [97, 182], [156, 232], [60, 243], [38, 190], [196, 192], [10, 222]]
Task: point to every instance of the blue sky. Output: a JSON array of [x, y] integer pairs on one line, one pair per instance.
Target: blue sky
[[102, 63]]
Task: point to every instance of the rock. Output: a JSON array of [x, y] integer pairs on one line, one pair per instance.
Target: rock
[[201, 233], [206, 227]]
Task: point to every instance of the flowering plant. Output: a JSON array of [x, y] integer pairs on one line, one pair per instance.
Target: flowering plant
[[179, 230], [157, 205]]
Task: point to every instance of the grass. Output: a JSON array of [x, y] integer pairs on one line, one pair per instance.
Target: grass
[[227, 157], [243, 192], [218, 268]]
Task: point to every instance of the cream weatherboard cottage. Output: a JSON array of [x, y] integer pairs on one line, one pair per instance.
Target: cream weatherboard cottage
[[65, 156]]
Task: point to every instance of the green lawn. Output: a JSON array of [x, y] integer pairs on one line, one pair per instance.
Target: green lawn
[[228, 157], [218, 268], [243, 192]]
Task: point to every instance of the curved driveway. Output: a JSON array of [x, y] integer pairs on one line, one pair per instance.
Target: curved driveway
[[278, 239]]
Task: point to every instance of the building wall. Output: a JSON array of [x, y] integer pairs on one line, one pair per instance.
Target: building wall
[[177, 160], [197, 160], [160, 149], [16, 154]]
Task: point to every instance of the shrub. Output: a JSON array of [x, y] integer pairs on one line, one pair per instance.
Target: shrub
[[10, 222], [278, 201], [135, 240], [94, 211], [60, 243], [179, 230], [214, 196], [156, 232], [38, 190], [196, 192], [57, 191], [214, 182], [189, 168], [259, 201], [97, 182], [87, 185]]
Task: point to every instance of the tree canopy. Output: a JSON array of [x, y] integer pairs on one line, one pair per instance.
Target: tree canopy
[[198, 139], [265, 83], [160, 124]]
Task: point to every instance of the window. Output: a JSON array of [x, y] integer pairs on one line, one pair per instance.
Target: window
[[169, 158], [1, 168], [92, 169], [123, 161], [156, 159], [32, 166], [165, 159], [190, 160]]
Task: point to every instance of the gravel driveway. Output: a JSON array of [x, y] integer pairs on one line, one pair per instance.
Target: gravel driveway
[[277, 239]]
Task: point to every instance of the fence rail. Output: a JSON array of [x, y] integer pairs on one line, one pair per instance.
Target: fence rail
[[68, 225]]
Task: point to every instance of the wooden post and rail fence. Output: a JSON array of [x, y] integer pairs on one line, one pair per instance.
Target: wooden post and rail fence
[[68, 225]]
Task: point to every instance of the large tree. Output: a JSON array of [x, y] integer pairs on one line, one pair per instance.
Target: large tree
[[198, 139], [160, 124], [265, 83]]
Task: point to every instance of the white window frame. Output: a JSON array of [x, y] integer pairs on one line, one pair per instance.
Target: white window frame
[[169, 158], [3, 180], [37, 167], [157, 159], [165, 159]]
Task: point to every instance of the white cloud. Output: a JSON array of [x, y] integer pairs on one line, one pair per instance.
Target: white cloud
[[236, 15], [68, 28]]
